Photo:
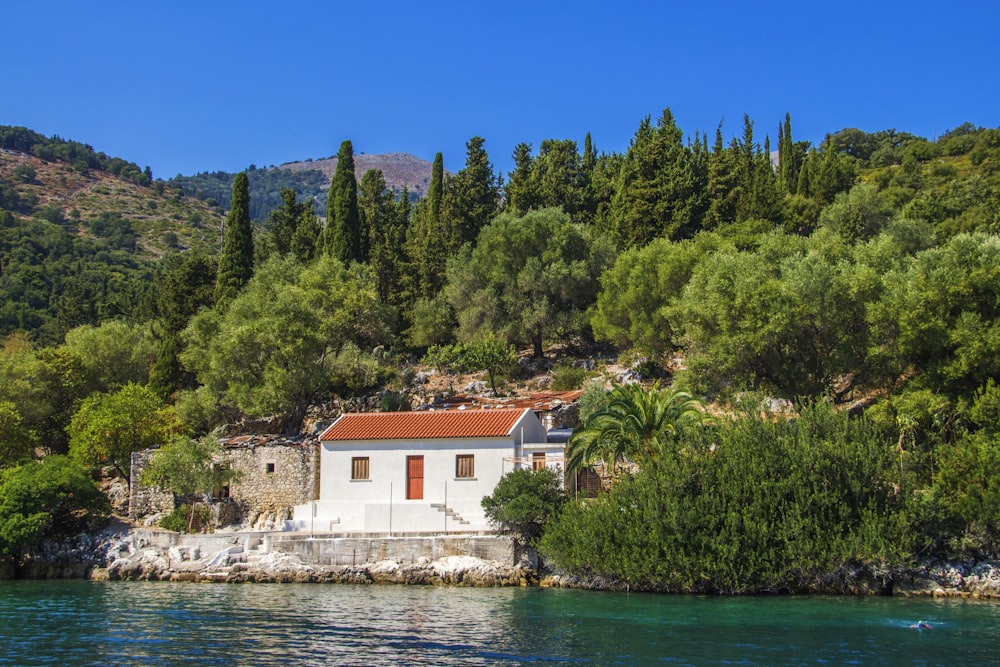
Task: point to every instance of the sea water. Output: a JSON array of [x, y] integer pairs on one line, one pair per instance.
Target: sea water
[[140, 623]]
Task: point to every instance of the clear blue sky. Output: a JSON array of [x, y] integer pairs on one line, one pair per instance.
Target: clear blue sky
[[192, 86]]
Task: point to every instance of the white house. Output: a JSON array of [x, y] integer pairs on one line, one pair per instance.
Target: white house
[[407, 472]]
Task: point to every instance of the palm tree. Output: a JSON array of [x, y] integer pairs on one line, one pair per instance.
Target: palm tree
[[631, 426]]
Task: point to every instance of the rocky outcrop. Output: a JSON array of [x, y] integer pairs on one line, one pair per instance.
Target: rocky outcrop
[[941, 579], [926, 579]]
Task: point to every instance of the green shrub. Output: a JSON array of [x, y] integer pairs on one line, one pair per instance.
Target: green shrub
[[566, 376], [751, 504], [177, 520], [181, 518]]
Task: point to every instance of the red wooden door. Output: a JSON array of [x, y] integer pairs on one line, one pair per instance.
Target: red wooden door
[[414, 477]]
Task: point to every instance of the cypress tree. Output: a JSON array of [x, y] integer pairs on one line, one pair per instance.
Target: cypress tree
[[427, 238], [789, 158], [588, 165], [342, 237], [436, 188], [236, 261]]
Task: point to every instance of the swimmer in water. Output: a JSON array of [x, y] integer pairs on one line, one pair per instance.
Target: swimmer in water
[[921, 625]]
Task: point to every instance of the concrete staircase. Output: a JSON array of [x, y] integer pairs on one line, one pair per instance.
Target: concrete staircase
[[450, 513]]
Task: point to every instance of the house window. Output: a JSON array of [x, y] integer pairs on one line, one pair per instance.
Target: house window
[[538, 461], [359, 467], [465, 466], [269, 468]]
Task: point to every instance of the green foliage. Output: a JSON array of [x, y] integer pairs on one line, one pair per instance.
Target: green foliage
[[118, 231], [187, 518], [236, 261], [284, 221], [353, 372], [738, 323], [752, 504], [567, 376], [658, 186], [858, 214], [16, 442], [109, 427], [594, 399], [527, 277], [384, 222], [490, 354], [634, 306], [968, 487], [184, 285], [113, 354], [45, 387], [432, 323], [185, 466], [272, 350], [486, 353], [470, 198], [53, 281], [636, 425], [938, 315], [177, 520], [523, 503], [52, 498]]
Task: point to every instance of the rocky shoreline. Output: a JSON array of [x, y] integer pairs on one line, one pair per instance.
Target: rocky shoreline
[[121, 554]]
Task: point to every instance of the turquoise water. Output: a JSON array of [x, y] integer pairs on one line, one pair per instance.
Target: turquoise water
[[117, 623]]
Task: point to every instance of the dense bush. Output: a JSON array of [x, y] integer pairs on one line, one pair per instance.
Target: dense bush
[[749, 504], [52, 498]]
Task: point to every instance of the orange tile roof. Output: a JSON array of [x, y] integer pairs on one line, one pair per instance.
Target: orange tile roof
[[429, 424]]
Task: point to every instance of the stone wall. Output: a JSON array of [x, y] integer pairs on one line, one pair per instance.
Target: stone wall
[[272, 476], [144, 500], [352, 551]]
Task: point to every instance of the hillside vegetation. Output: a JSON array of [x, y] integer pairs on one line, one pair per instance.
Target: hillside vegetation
[[839, 307]]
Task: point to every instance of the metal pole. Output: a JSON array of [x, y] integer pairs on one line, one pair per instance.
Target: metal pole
[[390, 509], [446, 506]]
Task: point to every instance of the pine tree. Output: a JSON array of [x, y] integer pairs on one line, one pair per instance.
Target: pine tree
[[471, 197], [236, 261], [519, 191], [656, 189], [556, 177], [342, 237], [284, 220]]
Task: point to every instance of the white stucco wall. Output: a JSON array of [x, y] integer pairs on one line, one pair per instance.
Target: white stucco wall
[[379, 504]]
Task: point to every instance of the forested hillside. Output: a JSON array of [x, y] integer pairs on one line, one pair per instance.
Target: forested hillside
[[309, 179], [81, 234], [862, 274]]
